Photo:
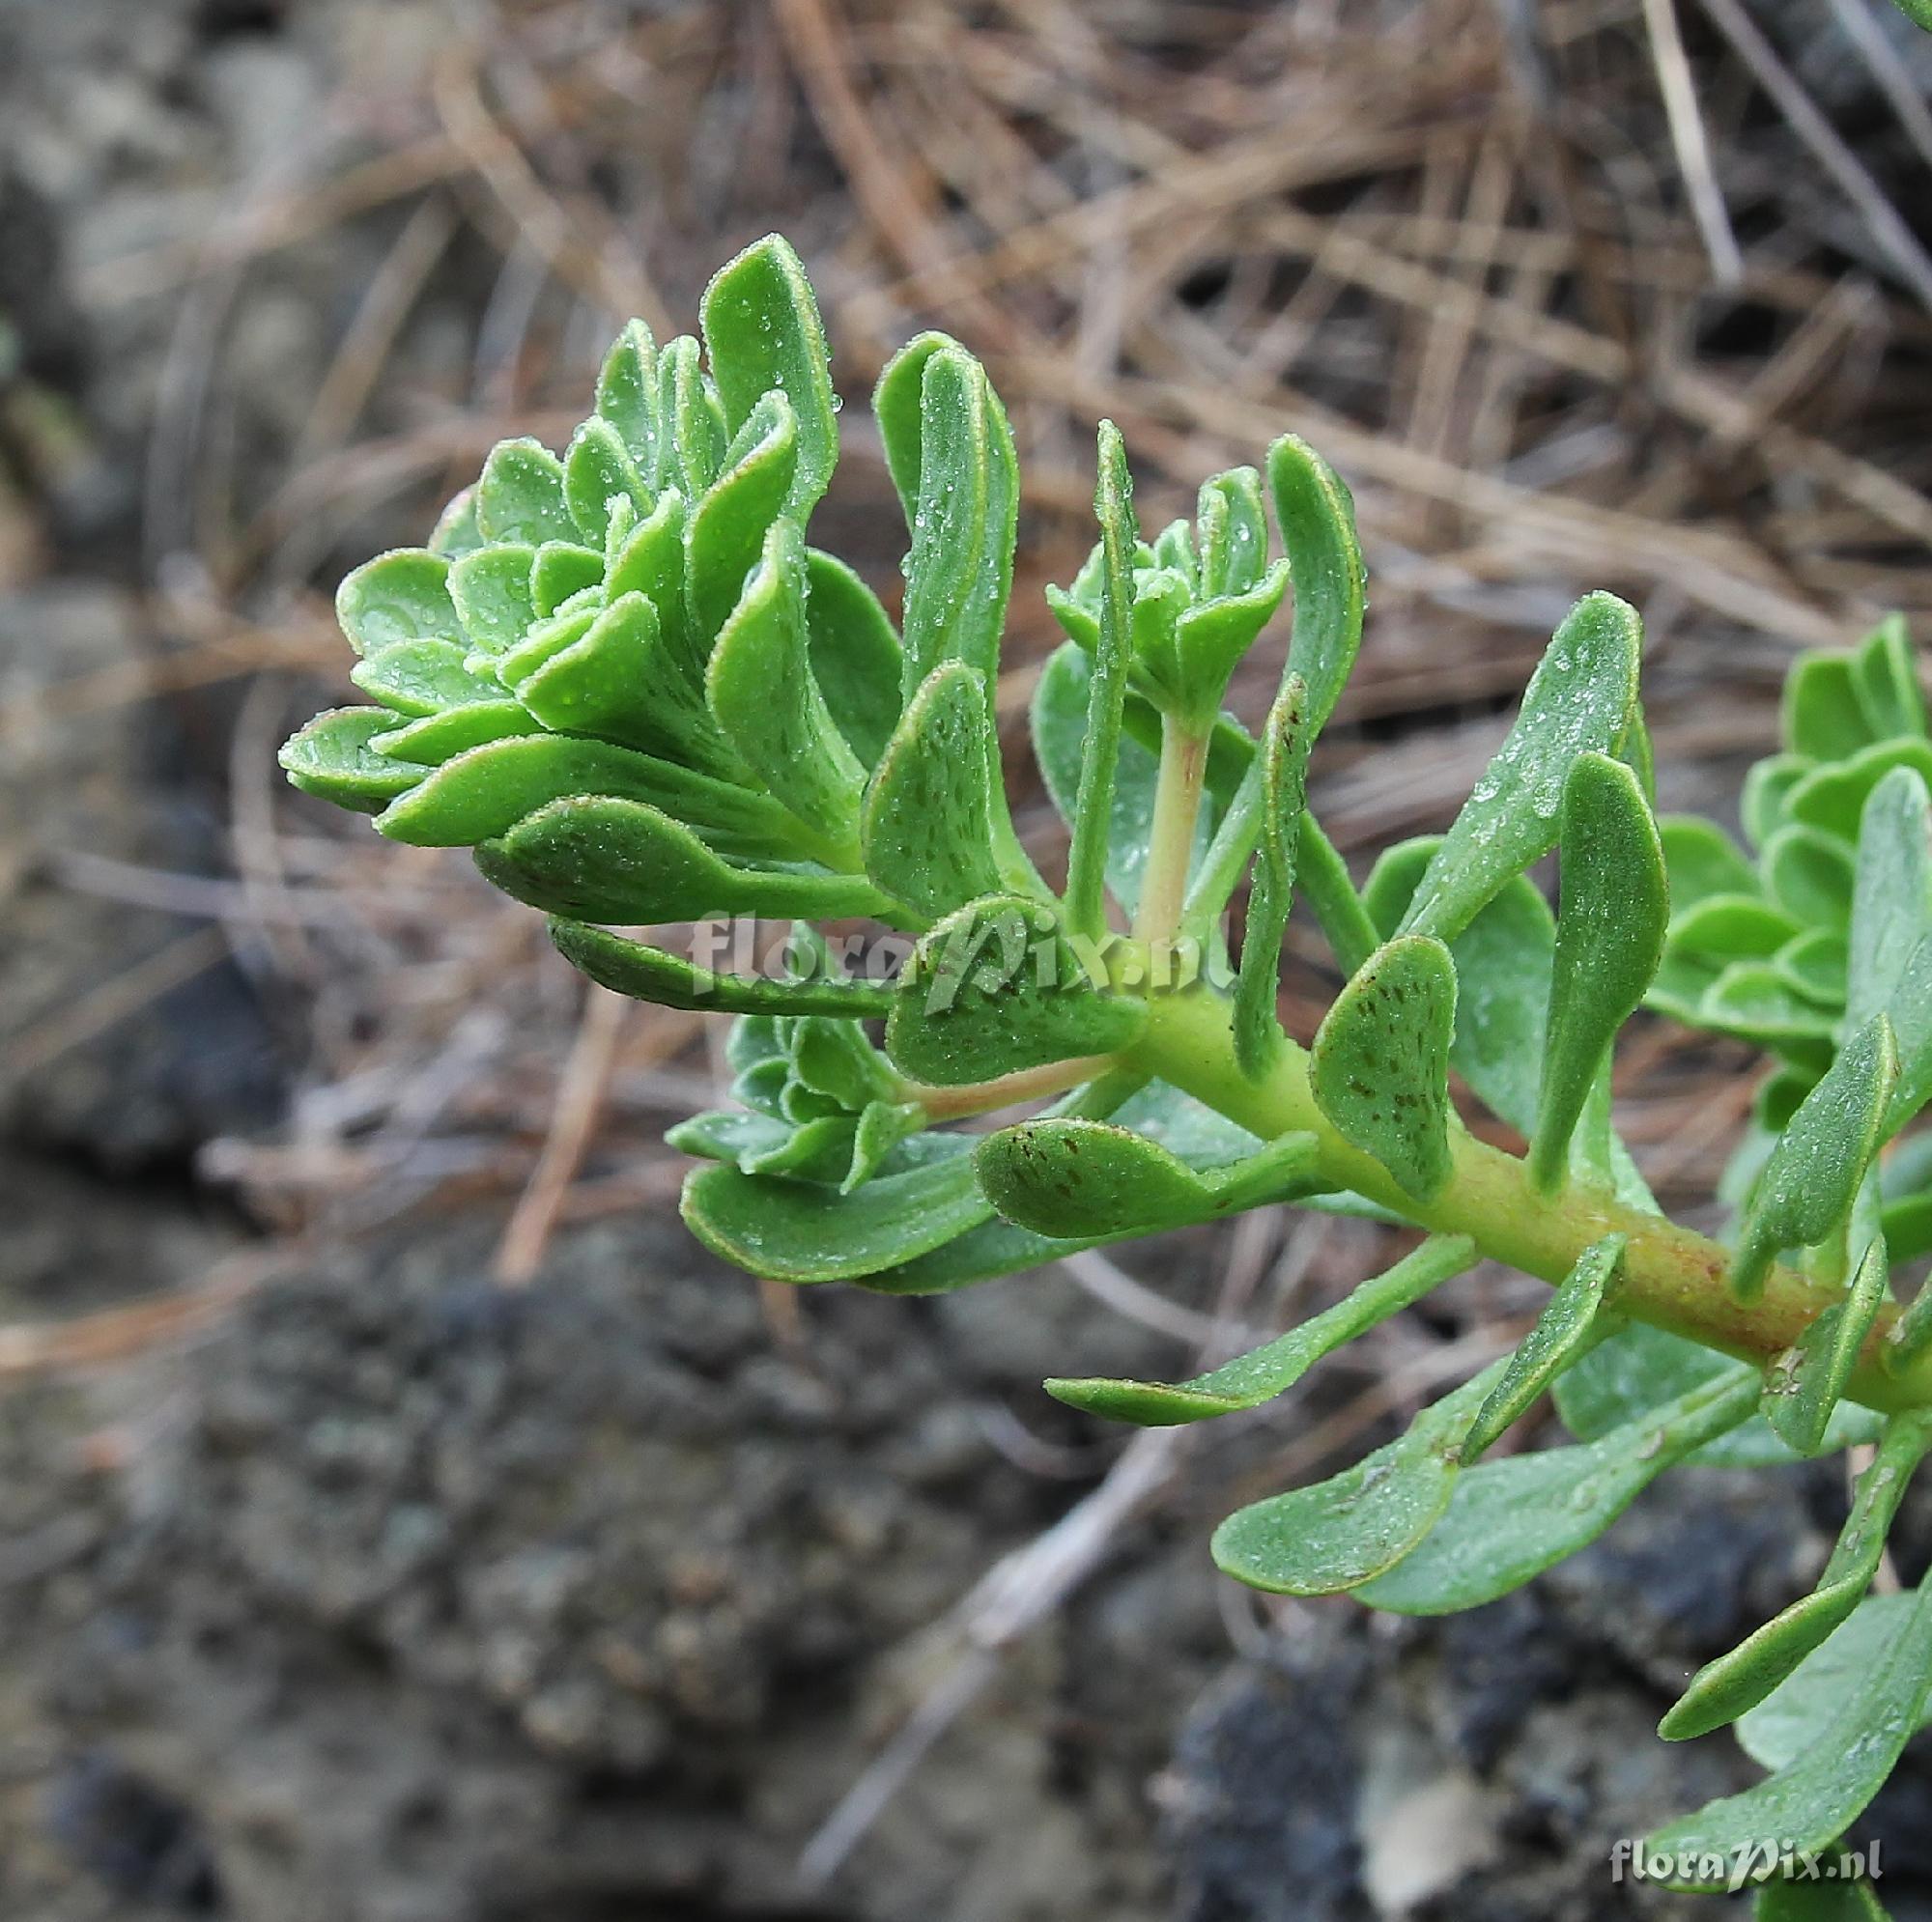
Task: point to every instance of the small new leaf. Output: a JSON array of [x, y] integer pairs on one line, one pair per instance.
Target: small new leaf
[[1286, 741]]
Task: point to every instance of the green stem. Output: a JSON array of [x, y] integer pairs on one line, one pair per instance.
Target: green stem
[[1177, 811], [1673, 1278]]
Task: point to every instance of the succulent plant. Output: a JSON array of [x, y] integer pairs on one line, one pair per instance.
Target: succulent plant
[[624, 677]]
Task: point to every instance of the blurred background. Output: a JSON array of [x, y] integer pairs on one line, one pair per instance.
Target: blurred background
[[400, 1520]]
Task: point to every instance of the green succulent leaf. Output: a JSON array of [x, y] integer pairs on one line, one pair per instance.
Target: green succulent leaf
[[1060, 706], [1791, 1720], [898, 410], [1343, 1533], [1809, 875], [928, 823], [1570, 1319], [598, 474], [1723, 1690], [1506, 1521], [491, 590], [763, 334], [1887, 681], [761, 690], [1325, 884], [1324, 558], [398, 596], [626, 397], [809, 1231], [1800, 1900], [1609, 940], [855, 657], [648, 974], [1380, 1063], [1701, 860], [1768, 791], [1503, 960], [1803, 1385], [1580, 699], [456, 533], [520, 497], [997, 987], [1811, 1179], [734, 517], [1092, 1179], [1822, 716], [1273, 1369], [693, 449], [960, 571], [335, 758], [1100, 744], [603, 858], [422, 677], [1812, 1801], [486, 791], [437, 737], [1890, 945], [1286, 741], [1834, 797]]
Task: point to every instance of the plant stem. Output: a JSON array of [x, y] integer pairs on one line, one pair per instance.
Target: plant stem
[[1673, 1278], [1177, 810]]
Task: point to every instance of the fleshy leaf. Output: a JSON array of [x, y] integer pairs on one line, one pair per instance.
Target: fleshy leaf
[[332, 757], [597, 470], [1723, 1690], [804, 1232], [1812, 1177], [1271, 1370], [399, 595], [1786, 1724], [1570, 1318], [1834, 797], [760, 688], [648, 974], [1344, 1531], [606, 858], [485, 792], [1060, 705], [1502, 962], [491, 589], [456, 533], [997, 987], [960, 571], [1891, 932], [1700, 860], [690, 421], [1812, 1801], [927, 826], [897, 411], [419, 677], [1509, 1520], [1079, 1177], [1821, 714], [1803, 1385], [1800, 1899], [1317, 530], [855, 657], [1581, 697], [1887, 681], [1809, 875], [1766, 792], [1286, 741], [1380, 1061], [1609, 939], [762, 330], [1100, 744], [733, 521], [626, 397], [520, 497], [439, 736]]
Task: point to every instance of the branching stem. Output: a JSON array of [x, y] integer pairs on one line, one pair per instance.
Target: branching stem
[[1674, 1277]]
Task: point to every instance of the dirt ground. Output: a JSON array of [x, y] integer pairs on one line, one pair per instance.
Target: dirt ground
[[340, 1582]]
